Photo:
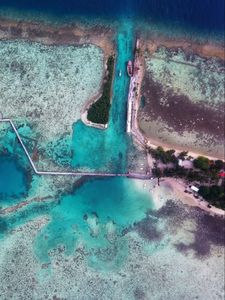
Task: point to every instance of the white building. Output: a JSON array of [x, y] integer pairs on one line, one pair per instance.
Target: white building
[[194, 188]]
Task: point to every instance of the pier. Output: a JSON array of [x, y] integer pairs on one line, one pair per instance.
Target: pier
[[56, 173], [134, 95], [131, 128]]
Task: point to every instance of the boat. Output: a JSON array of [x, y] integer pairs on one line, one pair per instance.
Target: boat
[[130, 68], [120, 73]]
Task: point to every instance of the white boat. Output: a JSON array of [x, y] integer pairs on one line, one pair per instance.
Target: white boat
[[120, 73]]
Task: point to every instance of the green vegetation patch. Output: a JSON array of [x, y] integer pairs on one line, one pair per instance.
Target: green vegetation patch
[[213, 194], [165, 156], [99, 111], [202, 163], [204, 173]]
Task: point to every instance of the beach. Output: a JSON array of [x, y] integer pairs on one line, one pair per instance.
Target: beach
[[171, 241], [183, 99], [174, 189], [67, 237]]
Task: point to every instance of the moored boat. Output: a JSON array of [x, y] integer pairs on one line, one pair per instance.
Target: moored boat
[[130, 68]]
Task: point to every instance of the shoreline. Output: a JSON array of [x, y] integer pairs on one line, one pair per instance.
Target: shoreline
[[151, 45], [136, 131], [84, 111], [178, 186], [154, 144], [64, 35], [173, 189], [95, 98]]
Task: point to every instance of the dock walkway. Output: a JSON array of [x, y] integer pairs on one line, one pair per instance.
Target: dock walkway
[[97, 174], [133, 97]]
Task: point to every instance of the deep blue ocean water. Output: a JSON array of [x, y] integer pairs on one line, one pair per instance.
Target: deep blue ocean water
[[199, 14]]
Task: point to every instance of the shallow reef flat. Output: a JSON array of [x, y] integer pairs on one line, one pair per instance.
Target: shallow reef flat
[[190, 42], [58, 34], [151, 258], [44, 89], [183, 101]]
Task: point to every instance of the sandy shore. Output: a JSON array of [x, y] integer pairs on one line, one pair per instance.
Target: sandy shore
[[85, 120], [154, 144], [201, 49], [149, 141], [178, 187], [173, 189], [95, 98]]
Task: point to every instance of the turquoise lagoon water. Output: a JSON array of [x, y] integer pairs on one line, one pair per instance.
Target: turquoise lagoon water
[[92, 217], [107, 150], [95, 216], [96, 213]]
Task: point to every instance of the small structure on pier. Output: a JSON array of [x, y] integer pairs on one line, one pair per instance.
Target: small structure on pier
[[130, 68]]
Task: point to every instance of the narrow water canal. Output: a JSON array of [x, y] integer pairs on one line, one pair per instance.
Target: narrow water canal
[[106, 150]]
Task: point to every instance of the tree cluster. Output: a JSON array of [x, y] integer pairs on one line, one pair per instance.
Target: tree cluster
[[99, 111], [213, 194], [205, 171], [164, 156]]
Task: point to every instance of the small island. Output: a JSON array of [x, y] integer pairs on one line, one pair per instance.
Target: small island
[[99, 110]]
